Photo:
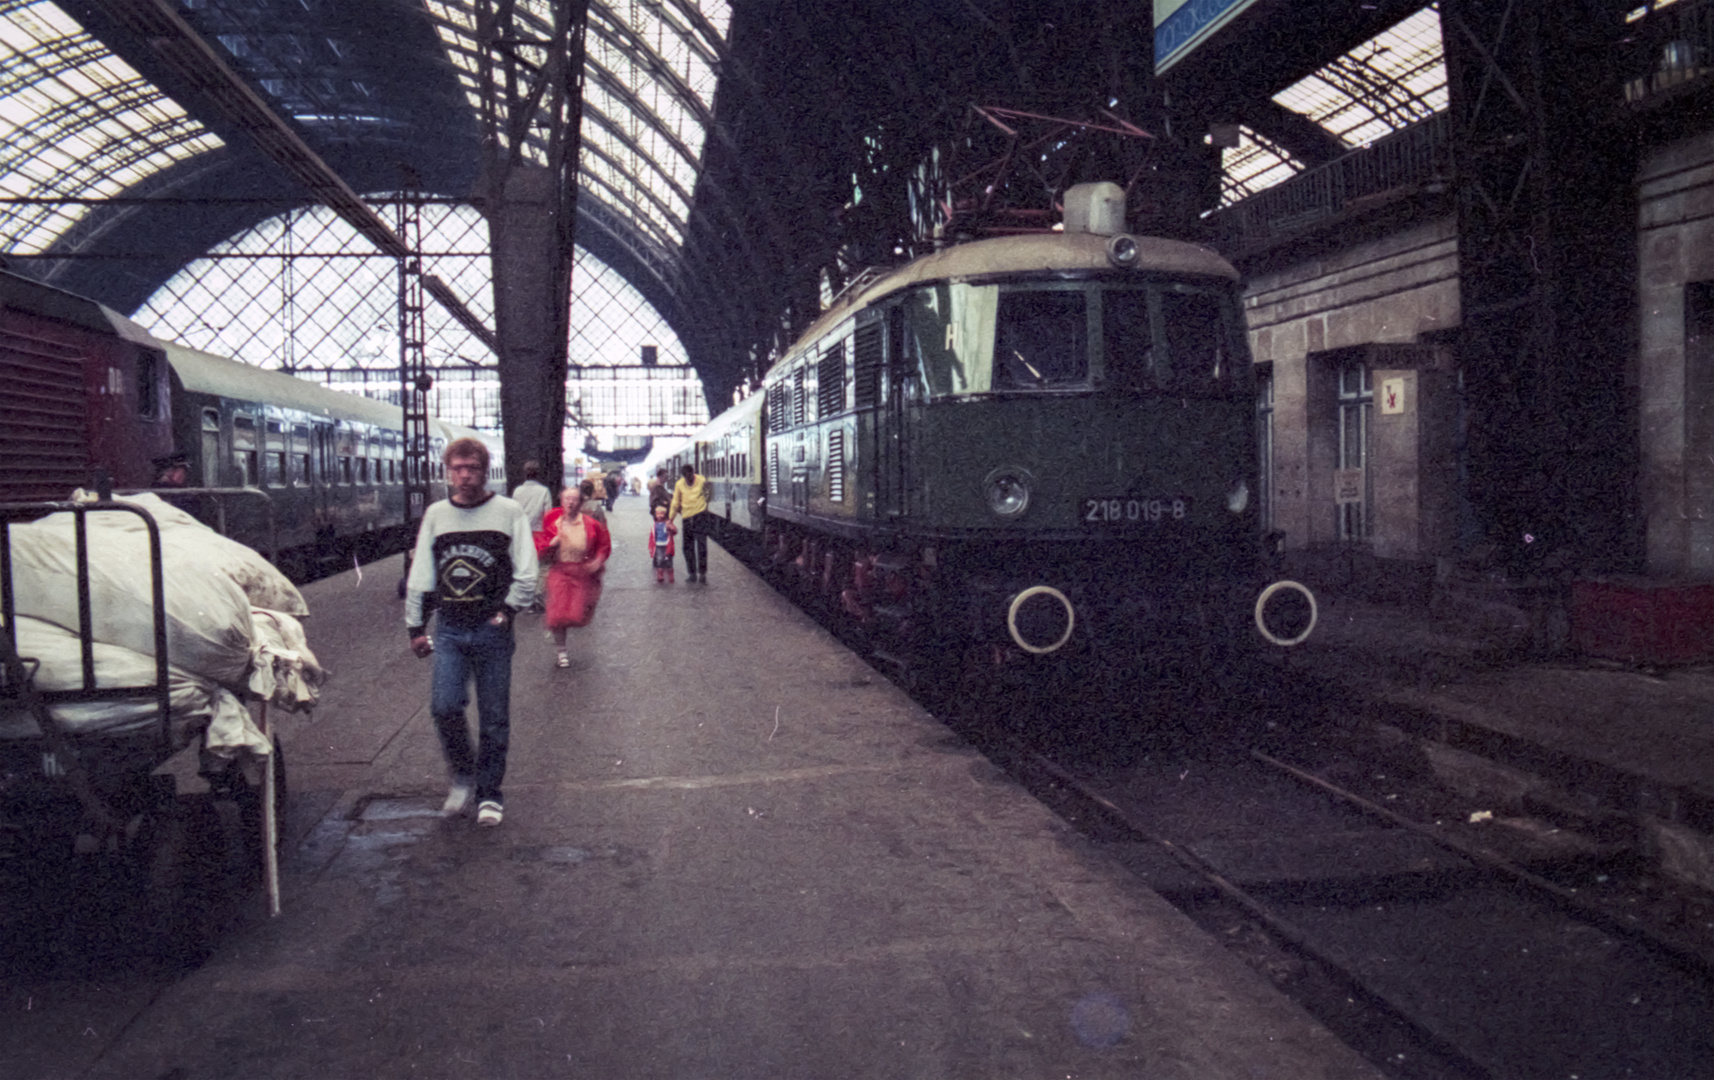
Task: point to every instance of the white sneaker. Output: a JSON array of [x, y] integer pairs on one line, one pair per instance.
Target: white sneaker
[[490, 813], [457, 800]]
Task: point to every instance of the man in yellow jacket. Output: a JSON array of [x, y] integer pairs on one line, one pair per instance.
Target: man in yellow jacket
[[690, 498]]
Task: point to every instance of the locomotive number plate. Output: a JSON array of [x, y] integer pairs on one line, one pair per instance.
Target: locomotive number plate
[[1125, 510]]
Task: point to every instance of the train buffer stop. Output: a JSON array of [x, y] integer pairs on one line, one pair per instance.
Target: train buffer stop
[[731, 849]]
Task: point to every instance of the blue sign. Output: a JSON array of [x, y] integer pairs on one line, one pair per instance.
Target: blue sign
[[1189, 26]]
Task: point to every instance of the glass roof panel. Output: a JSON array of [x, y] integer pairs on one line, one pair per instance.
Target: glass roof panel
[[302, 291], [1254, 165], [1389, 82], [649, 82], [75, 122]]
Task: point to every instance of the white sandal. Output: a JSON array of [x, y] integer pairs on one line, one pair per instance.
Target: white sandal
[[563, 661]]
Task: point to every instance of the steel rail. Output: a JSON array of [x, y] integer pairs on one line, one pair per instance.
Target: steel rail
[[1683, 956], [1286, 931]]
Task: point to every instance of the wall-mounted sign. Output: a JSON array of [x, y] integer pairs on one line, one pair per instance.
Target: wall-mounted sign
[[1348, 486], [1182, 25], [1392, 397]]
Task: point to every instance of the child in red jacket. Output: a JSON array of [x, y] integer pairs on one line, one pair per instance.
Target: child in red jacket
[[661, 546]]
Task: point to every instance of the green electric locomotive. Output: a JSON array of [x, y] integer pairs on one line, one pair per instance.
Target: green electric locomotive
[[1024, 446]]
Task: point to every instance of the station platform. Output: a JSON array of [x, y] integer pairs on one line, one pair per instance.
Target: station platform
[[730, 849], [1594, 744]]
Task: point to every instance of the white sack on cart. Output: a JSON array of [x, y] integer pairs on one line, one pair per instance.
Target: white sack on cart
[[191, 701], [232, 731], [285, 671], [209, 632], [261, 581]]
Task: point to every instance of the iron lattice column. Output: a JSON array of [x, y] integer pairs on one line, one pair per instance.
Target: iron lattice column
[[532, 79], [1546, 245], [414, 379]]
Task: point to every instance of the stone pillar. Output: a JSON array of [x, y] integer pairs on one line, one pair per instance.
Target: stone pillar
[[532, 302]]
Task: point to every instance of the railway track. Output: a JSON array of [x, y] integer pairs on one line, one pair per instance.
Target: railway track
[[1441, 940], [1437, 946]]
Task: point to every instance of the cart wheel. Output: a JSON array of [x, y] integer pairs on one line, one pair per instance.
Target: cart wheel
[[160, 854]]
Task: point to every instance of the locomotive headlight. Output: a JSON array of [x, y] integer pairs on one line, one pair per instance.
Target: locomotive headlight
[[1238, 498], [1008, 491], [1122, 251]]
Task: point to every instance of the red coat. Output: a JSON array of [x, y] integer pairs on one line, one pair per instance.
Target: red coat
[[600, 540], [573, 588]]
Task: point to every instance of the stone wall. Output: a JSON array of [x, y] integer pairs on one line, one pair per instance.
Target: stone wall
[[1675, 237], [1304, 319]]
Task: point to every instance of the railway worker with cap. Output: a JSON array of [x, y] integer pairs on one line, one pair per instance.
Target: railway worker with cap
[[172, 470], [476, 556], [533, 496], [690, 498]]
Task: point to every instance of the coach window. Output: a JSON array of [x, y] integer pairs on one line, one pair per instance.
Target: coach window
[[148, 384], [244, 449], [210, 448], [274, 457], [300, 450]]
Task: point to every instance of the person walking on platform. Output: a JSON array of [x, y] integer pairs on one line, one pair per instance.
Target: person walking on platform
[[612, 481], [533, 496], [661, 533], [475, 555], [578, 546], [690, 498], [592, 504], [659, 493]]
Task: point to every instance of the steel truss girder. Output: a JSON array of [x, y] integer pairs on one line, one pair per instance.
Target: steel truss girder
[[184, 50], [1546, 244]]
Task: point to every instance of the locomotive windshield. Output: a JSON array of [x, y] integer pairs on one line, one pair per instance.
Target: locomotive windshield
[[1171, 339], [970, 339], [1041, 339], [1157, 338]]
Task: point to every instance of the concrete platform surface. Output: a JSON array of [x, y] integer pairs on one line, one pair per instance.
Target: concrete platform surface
[[731, 849]]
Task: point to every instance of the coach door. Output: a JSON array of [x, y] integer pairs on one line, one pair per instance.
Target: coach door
[[889, 427], [325, 459]]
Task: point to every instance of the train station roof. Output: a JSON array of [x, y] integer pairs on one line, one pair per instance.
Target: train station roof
[[117, 169]]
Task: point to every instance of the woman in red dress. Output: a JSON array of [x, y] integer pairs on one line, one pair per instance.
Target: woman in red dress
[[577, 546]]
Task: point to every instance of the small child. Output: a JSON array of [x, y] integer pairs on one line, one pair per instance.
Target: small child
[[661, 546]]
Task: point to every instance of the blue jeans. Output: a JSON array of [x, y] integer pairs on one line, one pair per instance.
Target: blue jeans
[[484, 654]]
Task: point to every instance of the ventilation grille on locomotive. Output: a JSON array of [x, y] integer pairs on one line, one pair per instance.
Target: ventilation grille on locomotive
[[44, 420], [866, 360], [836, 465], [830, 381]]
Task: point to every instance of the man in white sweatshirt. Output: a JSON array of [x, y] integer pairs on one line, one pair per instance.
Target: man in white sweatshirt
[[475, 554]]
